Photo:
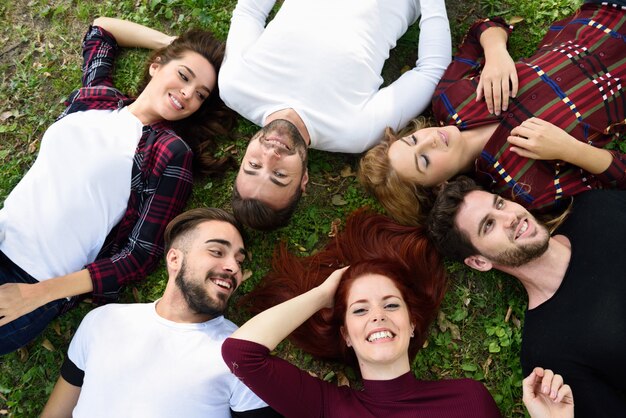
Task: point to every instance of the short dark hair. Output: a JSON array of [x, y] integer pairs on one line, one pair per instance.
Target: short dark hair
[[257, 215], [441, 222], [189, 220]]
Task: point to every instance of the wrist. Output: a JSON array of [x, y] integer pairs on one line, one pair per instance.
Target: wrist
[[38, 292]]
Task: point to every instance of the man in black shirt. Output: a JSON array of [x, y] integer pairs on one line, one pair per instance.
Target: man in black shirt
[[575, 280]]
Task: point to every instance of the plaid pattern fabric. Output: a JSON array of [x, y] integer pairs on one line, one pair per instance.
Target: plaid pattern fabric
[[573, 81], [161, 178]]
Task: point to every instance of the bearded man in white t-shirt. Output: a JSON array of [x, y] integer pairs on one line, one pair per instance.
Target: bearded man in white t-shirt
[[163, 359], [312, 78]]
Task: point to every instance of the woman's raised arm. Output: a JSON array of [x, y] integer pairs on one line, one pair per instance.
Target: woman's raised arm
[[130, 34], [272, 326]]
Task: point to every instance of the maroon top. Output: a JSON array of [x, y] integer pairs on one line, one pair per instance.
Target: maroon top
[[294, 393]]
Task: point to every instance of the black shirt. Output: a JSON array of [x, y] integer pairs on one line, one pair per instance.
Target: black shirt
[[580, 332]]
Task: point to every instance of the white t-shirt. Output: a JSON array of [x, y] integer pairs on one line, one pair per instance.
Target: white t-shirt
[[138, 364], [324, 59], [56, 219]]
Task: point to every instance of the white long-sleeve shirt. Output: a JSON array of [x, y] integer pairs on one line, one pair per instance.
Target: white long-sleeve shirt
[[324, 59]]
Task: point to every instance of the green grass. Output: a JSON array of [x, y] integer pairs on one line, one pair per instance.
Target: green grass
[[478, 333]]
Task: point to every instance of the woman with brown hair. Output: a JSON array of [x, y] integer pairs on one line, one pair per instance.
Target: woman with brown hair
[[111, 172], [537, 149]]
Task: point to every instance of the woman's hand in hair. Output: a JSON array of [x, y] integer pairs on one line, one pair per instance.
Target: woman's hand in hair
[[546, 395], [329, 287]]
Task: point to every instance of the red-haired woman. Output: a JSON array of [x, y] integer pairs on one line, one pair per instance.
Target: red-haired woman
[[381, 310], [111, 172], [375, 313]]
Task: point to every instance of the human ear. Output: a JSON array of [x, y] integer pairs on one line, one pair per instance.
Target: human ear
[[345, 336], [154, 66], [173, 259], [478, 262], [305, 179]]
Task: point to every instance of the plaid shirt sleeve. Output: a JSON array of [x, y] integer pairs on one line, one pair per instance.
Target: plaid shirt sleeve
[[100, 50], [165, 187], [615, 175]]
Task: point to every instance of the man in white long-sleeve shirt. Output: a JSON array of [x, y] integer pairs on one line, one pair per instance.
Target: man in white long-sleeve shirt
[[312, 78]]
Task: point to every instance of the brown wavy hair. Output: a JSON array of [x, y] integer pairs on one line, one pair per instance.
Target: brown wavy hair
[[371, 243], [406, 202], [213, 118]]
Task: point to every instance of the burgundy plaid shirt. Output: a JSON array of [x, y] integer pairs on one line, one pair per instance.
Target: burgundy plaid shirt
[[161, 177], [572, 81]]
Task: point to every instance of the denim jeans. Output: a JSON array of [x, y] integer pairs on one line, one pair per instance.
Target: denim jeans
[[17, 333]]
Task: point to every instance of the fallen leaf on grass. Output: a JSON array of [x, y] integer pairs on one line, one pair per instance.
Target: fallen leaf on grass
[[32, 147], [56, 327], [23, 353], [8, 114], [445, 325], [508, 314], [486, 366], [136, 295], [515, 20], [246, 275], [337, 200], [342, 380], [346, 171], [47, 345], [334, 227], [516, 322]]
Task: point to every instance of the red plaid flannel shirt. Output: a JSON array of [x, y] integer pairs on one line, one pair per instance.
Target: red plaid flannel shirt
[[161, 178], [572, 81]]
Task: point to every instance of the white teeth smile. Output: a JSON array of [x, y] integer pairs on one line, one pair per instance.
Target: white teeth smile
[[522, 229], [379, 335], [176, 102], [222, 283]]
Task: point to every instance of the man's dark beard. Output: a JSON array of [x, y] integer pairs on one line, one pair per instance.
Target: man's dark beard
[[197, 297], [284, 126], [519, 256]]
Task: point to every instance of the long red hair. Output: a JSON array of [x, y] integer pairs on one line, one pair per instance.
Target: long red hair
[[371, 244]]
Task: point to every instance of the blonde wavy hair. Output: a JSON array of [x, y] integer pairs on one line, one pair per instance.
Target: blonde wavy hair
[[406, 202]]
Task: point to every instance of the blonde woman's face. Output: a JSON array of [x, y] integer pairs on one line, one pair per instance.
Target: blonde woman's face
[[428, 156]]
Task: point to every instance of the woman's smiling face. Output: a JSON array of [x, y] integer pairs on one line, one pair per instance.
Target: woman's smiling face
[[377, 324], [178, 88]]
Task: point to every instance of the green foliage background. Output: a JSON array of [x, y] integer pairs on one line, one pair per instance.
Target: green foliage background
[[478, 332]]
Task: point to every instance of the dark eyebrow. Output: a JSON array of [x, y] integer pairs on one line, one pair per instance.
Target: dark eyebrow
[[484, 219], [272, 179], [417, 165], [227, 244], [384, 298], [194, 76]]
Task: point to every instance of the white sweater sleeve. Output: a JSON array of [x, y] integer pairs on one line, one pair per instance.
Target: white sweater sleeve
[[408, 96], [246, 25]]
